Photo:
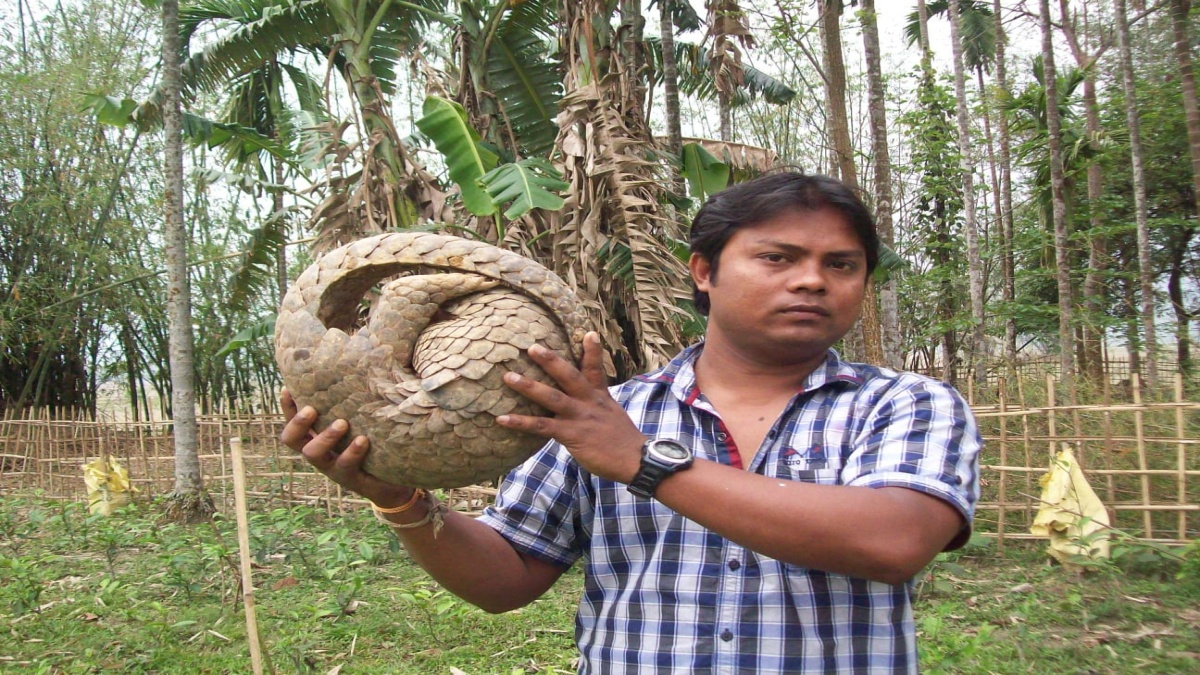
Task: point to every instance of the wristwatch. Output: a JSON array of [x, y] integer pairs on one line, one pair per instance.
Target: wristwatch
[[661, 457]]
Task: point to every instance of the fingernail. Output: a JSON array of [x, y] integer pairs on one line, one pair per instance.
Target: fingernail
[[592, 337], [512, 378], [307, 412], [502, 419], [537, 350], [338, 425]]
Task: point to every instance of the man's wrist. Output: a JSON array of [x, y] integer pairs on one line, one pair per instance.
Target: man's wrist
[[394, 500]]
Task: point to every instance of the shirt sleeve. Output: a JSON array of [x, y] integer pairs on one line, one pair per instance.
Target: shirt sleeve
[[537, 508], [920, 435]]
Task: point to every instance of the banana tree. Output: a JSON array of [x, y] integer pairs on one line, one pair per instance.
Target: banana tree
[[362, 40]]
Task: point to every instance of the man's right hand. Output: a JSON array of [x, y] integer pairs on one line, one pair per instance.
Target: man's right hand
[[345, 469], [510, 579]]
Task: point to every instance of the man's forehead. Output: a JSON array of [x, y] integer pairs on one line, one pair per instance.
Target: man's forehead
[[825, 222]]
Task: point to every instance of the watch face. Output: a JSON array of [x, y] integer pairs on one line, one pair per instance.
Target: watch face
[[671, 450]]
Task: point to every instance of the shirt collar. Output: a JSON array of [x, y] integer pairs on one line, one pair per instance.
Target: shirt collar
[[680, 374]]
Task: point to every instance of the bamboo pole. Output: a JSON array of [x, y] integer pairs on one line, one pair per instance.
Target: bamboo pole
[[1028, 447], [1051, 419], [1181, 454], [224, 469], [1002, 495], [1106, 430], [1098, 472], [243, 525], [1139, 424], [45, 450], [328, 501]]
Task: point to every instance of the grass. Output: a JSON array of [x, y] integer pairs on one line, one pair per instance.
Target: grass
[[82, 594]]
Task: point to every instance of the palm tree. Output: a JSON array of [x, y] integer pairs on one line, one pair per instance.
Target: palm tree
[[1138, 163], [1004, 201], [670, 77], [1066, 335], [843, 157], [1090, 356], [974, 263], [727, 25], [1181, 27], [882, 165], [188, 501]]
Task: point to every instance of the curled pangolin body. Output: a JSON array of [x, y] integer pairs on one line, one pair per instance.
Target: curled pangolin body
[[422, 378]]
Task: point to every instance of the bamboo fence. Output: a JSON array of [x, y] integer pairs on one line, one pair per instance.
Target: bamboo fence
[[1141, 457]]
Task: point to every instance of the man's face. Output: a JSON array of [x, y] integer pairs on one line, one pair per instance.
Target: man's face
[[788, 287]]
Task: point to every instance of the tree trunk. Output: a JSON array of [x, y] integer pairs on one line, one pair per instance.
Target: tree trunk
[[839, 127], [1138, 162], [188, 501], [882, 164], [1180, 10], [974, 262], [1091, 359], [926, 50], [1058, 209], [671, 90], [281, 270], [1008, 264]]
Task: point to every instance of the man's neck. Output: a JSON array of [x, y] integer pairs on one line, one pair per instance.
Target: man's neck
[[720, 367]]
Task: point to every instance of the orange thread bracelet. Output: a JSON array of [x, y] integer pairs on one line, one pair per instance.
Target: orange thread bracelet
[[416, 496]]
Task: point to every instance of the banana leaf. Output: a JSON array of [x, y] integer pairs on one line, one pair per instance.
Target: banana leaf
[[445, 123]]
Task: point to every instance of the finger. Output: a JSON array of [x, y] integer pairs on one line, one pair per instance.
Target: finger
[[542, 394], [298, 430], [541, 426], [593, 360], [319, 451], [349, 461], [287, 403], [348, 467], [563, 371]]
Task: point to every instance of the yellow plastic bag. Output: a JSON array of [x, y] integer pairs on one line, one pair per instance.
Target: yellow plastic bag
[[108, 485], [1071, 515]]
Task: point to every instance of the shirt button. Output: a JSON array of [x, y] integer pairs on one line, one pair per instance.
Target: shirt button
[[726, 635], [734, 565], [722, 436], [772, 434]]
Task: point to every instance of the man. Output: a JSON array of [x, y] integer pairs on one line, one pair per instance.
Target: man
[[785, 500]]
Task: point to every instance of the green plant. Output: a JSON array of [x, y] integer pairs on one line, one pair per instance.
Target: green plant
[[1126, 552], [437, 605], [22, 583], [948, 649]]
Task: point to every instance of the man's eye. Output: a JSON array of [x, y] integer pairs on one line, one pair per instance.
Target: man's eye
[[773, 257], [842, 265]]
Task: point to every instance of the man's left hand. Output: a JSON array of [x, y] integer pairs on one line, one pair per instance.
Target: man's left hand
[[592, 426]]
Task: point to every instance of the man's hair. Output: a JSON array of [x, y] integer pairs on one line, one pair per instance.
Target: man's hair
[[756, 201]]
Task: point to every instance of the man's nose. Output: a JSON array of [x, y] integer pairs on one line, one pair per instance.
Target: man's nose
[[807, 275]]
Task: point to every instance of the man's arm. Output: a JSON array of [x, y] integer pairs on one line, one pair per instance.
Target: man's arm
[[468, 558], [885, 534]]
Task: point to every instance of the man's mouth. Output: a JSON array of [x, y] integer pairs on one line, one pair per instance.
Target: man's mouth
[[806, 309]]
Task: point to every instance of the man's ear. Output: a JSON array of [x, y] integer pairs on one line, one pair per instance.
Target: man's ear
[[701, 272]]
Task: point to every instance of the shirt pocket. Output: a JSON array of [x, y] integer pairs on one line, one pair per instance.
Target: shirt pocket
[[819, 476], [819, 470]]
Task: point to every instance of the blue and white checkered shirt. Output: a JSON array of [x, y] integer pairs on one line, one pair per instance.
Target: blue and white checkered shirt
[[665, 595]]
